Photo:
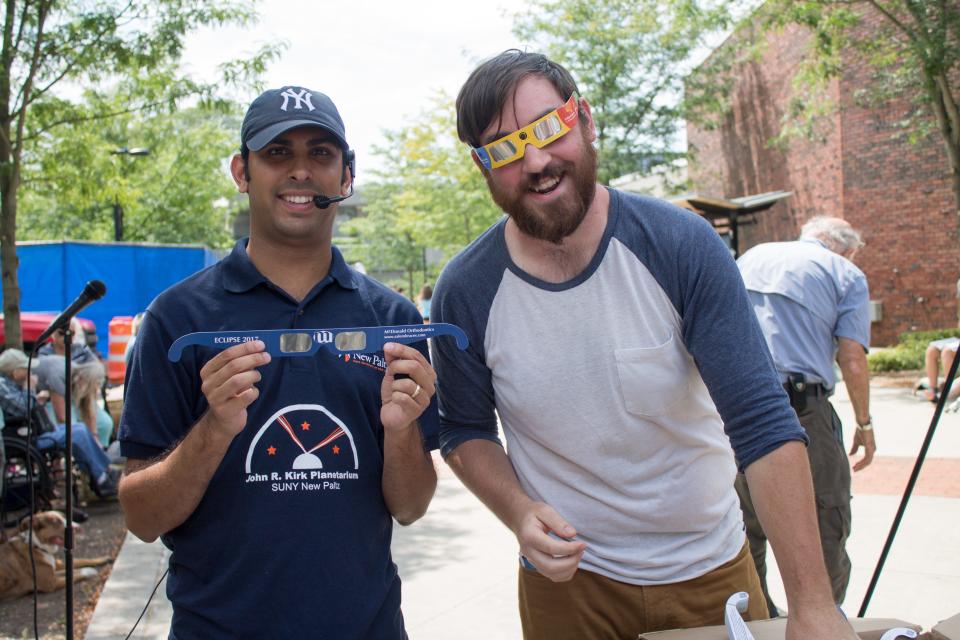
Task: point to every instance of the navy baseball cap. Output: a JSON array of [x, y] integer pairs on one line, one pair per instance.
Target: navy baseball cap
[[279, 110]]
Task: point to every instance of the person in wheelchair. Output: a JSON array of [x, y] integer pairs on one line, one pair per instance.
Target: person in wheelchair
[[90, 457]]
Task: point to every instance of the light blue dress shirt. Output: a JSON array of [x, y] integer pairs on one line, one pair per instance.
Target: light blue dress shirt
[[806, 297]]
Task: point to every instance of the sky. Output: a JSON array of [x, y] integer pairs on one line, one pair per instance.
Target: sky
[[380, 61]]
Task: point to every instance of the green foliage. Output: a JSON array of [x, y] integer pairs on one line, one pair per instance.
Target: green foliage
[[915, 47], [71, 180], [125, 54], [923, 338], [898, 358], [708, 88], [909, 352], [629, 58], [431, 195], [912, 50]]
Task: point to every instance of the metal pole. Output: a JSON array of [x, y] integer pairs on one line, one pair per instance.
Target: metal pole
[[909, 490], [117, 220], [68, 532], [734, 235]]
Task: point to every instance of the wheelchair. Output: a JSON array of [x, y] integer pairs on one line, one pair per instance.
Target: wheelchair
[[23, 458]]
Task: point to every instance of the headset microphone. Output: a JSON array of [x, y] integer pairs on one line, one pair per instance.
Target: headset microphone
[[349, 159], [322, 202]]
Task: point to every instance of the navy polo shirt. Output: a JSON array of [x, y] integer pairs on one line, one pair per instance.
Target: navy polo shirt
[[292, 537]]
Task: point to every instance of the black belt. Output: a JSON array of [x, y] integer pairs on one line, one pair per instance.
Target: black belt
[[810, 390], [801, 393]]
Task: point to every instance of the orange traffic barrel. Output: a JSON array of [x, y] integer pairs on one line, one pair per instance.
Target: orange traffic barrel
[[120, 330]]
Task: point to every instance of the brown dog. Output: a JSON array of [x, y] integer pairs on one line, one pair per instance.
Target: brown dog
[[15, 572]]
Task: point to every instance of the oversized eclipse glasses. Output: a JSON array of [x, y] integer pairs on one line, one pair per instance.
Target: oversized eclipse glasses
[[306, 342], [539, 133]]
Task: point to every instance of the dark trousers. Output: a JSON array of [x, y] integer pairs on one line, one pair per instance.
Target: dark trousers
[[831, 486]]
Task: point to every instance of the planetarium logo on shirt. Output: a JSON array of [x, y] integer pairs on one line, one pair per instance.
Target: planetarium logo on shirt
[[371, 360], [302, 447]]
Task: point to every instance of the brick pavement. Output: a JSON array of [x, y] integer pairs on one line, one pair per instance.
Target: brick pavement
[[888, 475]]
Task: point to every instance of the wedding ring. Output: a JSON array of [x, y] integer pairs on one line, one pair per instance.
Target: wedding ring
[[416, 392]]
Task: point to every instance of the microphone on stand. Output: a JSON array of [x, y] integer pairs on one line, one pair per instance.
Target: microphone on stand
[[92, 292]]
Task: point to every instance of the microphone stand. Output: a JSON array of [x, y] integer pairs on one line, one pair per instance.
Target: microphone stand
[[68, 532], [941, 403], [93, 291]]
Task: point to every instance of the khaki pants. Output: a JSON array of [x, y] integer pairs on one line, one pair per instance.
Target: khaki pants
[[831, 486], [596, 607]]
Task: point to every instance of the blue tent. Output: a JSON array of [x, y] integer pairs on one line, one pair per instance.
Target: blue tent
[[52, 274]]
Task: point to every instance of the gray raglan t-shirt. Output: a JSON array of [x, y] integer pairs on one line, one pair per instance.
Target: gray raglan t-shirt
[[620, 391]]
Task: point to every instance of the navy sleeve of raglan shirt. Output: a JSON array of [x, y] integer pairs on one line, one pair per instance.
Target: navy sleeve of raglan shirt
[[463, 296]]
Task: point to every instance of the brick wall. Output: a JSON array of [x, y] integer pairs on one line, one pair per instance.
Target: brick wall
[[899, 194], [859, 168]]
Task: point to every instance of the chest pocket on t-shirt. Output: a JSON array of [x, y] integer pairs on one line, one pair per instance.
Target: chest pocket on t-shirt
[[653, 379]]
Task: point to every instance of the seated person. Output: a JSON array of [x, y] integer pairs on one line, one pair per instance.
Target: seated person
[[79, 350], [939, 351], [89, 455], [85, 397], [52, 375]]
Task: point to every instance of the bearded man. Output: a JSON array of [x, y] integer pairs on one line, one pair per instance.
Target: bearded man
[[613, 336]]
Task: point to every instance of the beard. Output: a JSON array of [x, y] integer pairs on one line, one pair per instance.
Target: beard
[[555, 222]]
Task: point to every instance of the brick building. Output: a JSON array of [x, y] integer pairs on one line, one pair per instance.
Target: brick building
[[861, 168]]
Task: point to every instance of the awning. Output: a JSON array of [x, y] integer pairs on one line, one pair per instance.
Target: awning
[[727, 216]]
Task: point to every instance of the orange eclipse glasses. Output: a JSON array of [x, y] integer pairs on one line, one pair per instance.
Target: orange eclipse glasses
[[539, 133]]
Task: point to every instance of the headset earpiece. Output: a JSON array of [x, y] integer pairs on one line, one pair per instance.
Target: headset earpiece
[[350, 160]]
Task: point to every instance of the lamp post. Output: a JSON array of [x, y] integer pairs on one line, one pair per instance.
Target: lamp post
[[117, 208]]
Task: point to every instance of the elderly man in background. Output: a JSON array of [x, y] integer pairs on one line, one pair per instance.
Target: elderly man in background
[[813, 306]]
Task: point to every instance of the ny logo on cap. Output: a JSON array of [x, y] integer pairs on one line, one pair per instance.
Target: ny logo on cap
[[302, 98]]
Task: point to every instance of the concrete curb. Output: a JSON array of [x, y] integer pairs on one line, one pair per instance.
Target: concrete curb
[[136, 571]]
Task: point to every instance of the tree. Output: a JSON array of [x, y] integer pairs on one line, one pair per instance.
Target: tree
[[431, 194], [629, 58], [48, 45], [916, 52], [166, 196], [383, 242]]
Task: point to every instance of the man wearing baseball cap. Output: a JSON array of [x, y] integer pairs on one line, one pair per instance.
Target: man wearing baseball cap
[[275, 480]]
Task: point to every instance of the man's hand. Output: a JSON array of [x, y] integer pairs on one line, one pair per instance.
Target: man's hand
[[404, 399], [555, 558], [826, 624], [228, 381], [867, 440], [159, 495]]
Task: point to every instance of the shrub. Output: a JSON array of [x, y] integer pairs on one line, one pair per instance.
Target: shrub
[[909, 351]]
